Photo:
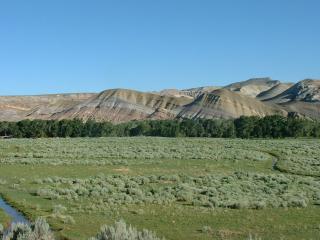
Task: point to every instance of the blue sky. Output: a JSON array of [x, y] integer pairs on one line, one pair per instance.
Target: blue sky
[[88, 46]]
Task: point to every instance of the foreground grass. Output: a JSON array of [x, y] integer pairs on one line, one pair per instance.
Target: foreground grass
[[4, 218], [26, 164]]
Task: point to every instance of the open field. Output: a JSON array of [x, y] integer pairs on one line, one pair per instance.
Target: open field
[[180, 188]]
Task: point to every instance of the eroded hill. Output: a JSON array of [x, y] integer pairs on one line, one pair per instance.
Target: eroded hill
[[253, 97]]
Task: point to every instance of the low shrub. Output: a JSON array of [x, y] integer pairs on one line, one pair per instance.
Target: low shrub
[[40, 230], [206, 230], [2, 181], [121, 231], [250, 237], [58, 212], [18, 231]]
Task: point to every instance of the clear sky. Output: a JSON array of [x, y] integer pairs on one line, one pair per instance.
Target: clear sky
[[50, 46]]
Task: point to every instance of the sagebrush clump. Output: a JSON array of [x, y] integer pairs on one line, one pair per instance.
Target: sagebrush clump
[[59, 212], [40, 230], [122, 231]]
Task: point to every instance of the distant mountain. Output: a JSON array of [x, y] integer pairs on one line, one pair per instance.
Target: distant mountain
[[15, 108], [307, 90], [253, 87], [253, 97], [274, 91], [191, 92], [120, 105], [303, 98], [223, 103]]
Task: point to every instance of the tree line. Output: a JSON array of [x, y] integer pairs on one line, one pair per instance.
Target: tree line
[[243, 127]]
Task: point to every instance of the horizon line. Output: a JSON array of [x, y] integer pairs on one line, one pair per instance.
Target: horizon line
[[146, 91]]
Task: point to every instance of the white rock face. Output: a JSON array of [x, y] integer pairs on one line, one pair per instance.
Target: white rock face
[[307, 91]]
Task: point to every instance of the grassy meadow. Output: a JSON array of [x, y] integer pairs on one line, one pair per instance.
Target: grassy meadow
[[180, 188]]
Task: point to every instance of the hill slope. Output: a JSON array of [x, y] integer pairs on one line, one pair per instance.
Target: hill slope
[[274, 91], [224, 103], [15, 108], [307, 90], [253, 87], [119, 105], [303, 98], [258, 97]]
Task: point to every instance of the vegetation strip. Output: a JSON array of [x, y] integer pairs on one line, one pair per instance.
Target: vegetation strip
[[244, 127]]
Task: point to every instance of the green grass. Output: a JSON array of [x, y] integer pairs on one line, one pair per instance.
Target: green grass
[[174, 187], [4, 218]]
